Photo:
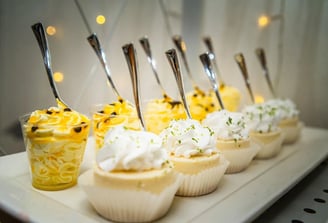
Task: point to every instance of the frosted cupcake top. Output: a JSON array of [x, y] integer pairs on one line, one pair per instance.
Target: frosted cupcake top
[[285, 107], [187, 138], [227, 125], [126, 149], [262, 118]]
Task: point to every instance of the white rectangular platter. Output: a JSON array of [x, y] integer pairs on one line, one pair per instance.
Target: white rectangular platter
[[240, 197]]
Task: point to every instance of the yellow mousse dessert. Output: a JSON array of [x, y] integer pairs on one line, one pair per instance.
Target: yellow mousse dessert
[[289, 115], [159, 113], [55, 140], [200, 104], [109, 115], [232, 138], [194, 155], [230, 97], [132, 180], [263, 120]]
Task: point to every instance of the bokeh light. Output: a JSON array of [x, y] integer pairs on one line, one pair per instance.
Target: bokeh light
[[263, 21], [58, 77], [51, 30], [100, 19]]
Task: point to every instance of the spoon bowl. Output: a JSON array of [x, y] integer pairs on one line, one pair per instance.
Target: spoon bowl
[[95, 44], [206, 61], [208, 42], [261, 56], [174, 62], [131, 59], [239, 58], [40, 36]]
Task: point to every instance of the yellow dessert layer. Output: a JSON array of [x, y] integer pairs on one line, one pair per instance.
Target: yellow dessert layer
[[230, 97], [110, 115], [232, 144], [265, 137], [154, 181], [195, 164], [159, 113], [200, 104]]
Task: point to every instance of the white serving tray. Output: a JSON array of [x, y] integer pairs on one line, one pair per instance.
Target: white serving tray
[[239, 198]]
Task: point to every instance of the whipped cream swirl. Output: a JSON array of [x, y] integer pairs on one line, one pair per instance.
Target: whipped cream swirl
[[188, 138], [125, 149], [262, 118], [227, 125]]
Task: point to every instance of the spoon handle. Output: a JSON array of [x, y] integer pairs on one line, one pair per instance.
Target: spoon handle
[[131, 59], [239, 58], [261, 56], [181, 46], [95, 44], [40, 36], [205, 59], [208, 42], [146, 46], [174, 62]]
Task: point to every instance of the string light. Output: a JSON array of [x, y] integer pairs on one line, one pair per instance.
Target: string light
[[51, 30], [58, 77], [100, 19]]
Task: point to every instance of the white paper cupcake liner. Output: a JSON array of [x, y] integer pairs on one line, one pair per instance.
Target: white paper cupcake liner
[[128, 205], [268, 150], [240, 158], [204, 182], [292, 133]]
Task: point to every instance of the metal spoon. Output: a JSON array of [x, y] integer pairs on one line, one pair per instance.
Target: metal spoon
[[146, 46], [206, 60], [40, 36], [181, 45], [242, 65], [131, 59], [95, 44], [208, 42], [261, 56], [174, 62]]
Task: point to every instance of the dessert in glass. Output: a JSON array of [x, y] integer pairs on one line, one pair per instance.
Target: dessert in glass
[[55, 140], [106, 116]]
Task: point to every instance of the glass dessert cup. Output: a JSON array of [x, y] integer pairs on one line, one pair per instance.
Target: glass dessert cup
[[54, 157], [102, 121]]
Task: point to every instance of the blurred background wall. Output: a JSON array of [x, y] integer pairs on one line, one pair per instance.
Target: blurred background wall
[[293, 34]]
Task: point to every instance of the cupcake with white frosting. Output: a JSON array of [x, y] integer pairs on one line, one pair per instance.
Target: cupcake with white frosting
[[289, 115], [262, 119], [194, 155], [133, 179], [232, 138]]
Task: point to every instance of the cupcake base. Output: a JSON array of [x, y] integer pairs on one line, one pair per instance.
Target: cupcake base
[[270, 143], [291, 133], [209, 171], [239, 154], [128, 205]]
